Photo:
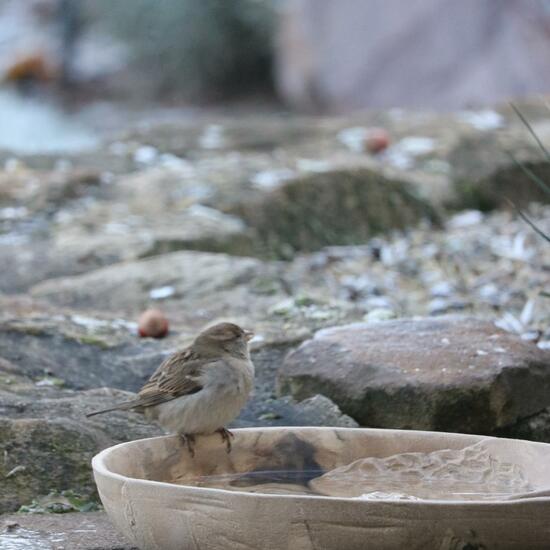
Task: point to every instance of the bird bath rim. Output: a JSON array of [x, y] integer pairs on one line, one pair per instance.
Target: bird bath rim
[[99, 467]]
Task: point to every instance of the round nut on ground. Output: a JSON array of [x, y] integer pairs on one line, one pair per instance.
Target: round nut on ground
[[153, 323], [377, 140]]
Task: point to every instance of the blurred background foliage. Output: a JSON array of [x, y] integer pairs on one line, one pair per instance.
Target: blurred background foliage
[[201, 49]]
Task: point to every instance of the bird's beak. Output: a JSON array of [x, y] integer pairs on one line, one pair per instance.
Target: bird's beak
[[248, 334]]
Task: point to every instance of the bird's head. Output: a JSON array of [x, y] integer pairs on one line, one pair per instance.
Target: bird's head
[[224, 337]]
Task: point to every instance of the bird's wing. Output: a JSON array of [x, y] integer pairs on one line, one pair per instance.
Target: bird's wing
[[178, 375]]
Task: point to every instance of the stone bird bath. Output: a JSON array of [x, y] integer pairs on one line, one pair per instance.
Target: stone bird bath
[[329, 488]]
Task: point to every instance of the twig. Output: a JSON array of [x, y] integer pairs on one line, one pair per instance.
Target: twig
[[528, 221], [529, 173], [533, 133]]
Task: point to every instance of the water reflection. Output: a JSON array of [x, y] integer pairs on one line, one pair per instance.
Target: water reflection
[[471, 473]]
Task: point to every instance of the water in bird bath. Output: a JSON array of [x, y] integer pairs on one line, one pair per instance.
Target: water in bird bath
[[466, 474], [274, 482], [471, 473]]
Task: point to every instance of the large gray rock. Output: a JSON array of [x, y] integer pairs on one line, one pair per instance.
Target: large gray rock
[[211, 282], [533, 428], [195, 289], [162, 209], [336, 207], [143, 214], [46, 357], [46, 190], [78, 352], [33, 260], [447, 374], [319, 410], [47, 442], [152, 211]]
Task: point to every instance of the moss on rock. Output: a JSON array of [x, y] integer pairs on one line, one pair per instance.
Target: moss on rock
[[41, 456], [332, 208], [509, 182]]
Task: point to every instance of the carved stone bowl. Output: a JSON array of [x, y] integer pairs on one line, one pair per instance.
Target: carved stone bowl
[[328, 488]]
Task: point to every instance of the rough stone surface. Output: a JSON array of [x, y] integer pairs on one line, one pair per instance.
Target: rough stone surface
[[78, 351], [87, 531], [199, 279], [337, 207], [199, 288], [133, 219], [43, 191], [321, 411], [36, 260], [444, 374], [47, 443], [533, 428]]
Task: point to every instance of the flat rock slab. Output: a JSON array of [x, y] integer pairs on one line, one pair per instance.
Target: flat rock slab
[[209, 282], [447, 374], [78, 351], [61, 532], [195, 289]]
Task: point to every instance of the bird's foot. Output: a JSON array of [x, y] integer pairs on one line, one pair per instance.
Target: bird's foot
[[226, 437], [189, 441]]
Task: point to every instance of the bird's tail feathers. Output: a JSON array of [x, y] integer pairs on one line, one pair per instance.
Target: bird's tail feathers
[[120, 407]]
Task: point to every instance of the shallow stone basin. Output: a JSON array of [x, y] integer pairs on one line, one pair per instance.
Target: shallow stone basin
[[394, 489]]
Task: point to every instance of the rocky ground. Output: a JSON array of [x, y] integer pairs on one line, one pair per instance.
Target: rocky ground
[[387, 290]]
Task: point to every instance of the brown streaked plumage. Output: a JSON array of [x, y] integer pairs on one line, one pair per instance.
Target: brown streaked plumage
[[199, 389]]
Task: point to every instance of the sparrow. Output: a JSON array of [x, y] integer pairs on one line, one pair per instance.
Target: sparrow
[[200, 389]]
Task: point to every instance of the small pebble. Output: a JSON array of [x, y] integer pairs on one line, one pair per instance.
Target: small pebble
[[269, 416], [443, 289], [379, 314], [145, 154], [531, 335], [161, 292], [467, 218]]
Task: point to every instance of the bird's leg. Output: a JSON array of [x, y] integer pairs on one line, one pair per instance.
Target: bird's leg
[[226, 437], [189, 441]]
